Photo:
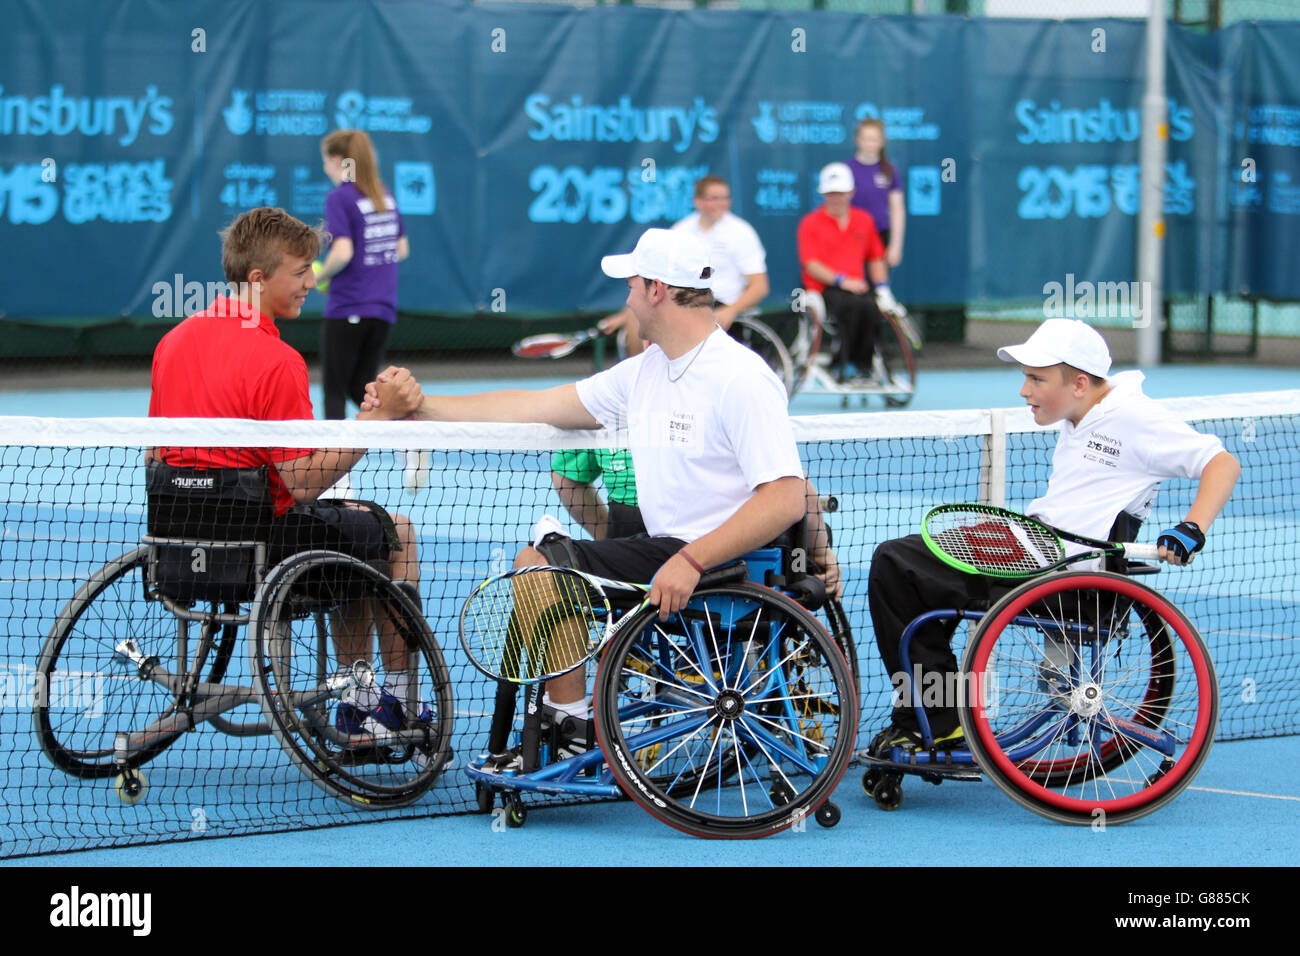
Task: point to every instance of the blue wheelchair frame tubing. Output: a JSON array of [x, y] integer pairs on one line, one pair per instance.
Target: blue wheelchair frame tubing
[[564, 777], [958, 756]]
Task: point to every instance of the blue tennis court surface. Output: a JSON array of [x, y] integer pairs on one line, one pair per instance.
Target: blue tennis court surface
[[1247, 787], [1242, 810]]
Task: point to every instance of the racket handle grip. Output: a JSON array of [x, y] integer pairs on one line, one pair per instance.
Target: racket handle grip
[[1142, 552]]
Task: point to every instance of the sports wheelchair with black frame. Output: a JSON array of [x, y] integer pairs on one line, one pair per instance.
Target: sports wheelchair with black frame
[[1085, 696], [149, 640], [736, 718]]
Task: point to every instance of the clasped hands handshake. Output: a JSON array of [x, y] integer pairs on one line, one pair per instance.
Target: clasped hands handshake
[[393, 394]]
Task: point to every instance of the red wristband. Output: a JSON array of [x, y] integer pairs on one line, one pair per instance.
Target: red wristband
[[691, 561]]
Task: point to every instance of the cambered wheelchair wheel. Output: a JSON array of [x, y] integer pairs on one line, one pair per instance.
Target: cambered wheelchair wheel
[[1089, 697], [305, 606], [759, 337], [736, 718], [899, 361], [86, 691]]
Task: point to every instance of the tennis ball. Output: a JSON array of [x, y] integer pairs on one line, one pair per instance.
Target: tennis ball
[[322, 285]]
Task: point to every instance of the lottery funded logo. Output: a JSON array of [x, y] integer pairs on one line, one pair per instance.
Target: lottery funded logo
[[803, 121], [276, 112]]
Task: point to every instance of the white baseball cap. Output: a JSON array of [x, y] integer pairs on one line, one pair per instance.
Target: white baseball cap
[[835, 178], [1062, 340], [673, 257]]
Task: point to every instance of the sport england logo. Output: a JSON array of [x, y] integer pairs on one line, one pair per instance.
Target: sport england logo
[[58, 114], [379, 114]]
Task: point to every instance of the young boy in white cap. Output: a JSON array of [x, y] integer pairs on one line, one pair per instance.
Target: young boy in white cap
[[1115, 447]]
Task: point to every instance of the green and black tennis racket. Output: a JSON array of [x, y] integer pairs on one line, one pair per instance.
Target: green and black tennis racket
[[982, 539]]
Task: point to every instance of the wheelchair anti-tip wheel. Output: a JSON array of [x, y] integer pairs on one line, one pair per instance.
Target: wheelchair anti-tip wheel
[[735, 718], [305, 607], [1089, 697], [87, 691]]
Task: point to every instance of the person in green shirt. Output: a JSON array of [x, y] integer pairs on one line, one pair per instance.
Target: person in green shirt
[[574, 471]]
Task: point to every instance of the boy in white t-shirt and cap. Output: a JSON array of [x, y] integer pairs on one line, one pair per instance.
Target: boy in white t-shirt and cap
[[1116, 446]]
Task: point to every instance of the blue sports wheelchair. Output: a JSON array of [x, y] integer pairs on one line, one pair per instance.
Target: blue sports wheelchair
[[736, 718]]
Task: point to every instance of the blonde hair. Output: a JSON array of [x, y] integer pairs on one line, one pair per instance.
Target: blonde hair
[[354, 144], [259, 239]]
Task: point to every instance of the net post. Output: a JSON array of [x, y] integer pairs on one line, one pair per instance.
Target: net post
[[993, 461]]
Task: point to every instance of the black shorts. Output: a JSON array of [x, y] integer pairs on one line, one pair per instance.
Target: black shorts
[[360, 532], [635, 560], [624, 521]]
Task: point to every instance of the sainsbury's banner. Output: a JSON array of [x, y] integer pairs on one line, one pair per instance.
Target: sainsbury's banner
[[523, 142]]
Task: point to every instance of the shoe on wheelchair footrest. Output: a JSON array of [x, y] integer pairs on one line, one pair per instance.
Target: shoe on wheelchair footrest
[[564, 735], [373, 725], [910, 741]]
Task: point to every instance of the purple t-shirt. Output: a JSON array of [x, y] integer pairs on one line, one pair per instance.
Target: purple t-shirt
[[368, 285], [871, 189]]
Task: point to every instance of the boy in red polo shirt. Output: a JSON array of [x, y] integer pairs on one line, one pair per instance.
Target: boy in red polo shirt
[[230, 362], [835, 241]]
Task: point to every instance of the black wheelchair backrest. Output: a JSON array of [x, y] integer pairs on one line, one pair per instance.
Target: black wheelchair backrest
[[208, 530], [215, 503]]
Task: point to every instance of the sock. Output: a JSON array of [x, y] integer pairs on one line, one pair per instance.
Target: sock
[[576, 708]]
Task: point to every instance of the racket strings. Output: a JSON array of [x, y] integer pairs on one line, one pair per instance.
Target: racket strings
[[530, 626], [996, 544]]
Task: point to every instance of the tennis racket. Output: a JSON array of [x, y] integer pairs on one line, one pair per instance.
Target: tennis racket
[[553, 344], [530, 625], [981, 539]]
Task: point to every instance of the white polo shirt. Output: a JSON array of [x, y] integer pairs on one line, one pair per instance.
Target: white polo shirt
[[700, 444], [1115, 459], [734, 252]]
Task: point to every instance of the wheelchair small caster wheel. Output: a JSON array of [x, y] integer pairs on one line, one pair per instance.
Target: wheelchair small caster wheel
[[828, 814], [888, 793], [485, 796], [516, 813], [1165, 766], [870, 778], [130, 786], [781, 793]]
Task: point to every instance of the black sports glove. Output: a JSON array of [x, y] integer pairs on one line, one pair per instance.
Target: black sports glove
[[1184, 540]]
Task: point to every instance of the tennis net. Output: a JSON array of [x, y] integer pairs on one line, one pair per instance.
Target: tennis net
[[73, 499]]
